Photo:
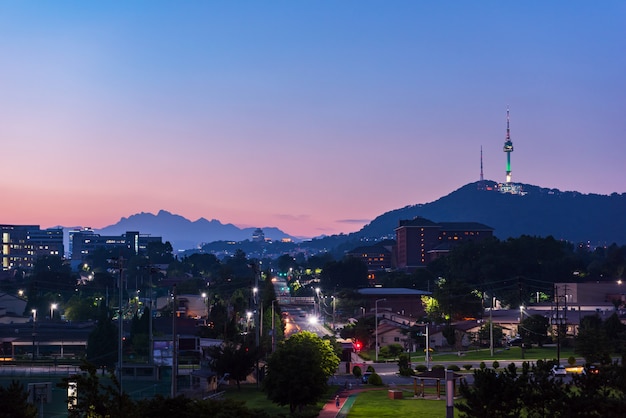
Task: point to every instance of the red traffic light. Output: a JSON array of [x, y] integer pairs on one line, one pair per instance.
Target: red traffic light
[[357, 345]]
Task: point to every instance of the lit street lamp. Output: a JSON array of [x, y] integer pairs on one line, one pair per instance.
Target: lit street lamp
[[52, 308], [34, 312], [376, 328], [206, 306]]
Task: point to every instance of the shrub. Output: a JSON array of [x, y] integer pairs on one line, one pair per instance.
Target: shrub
[[571, 360], [421, 368], [375, 379], [356, 371], [467, 367], [482, 366], [395, 350], [454, 368], [438, 367], [496, 364], [384, 352], [370, 369]]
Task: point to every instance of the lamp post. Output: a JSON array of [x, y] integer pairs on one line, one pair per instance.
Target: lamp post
[[52, 308], [376, 327], [34, 312], [334, 304], [319, 306], [206, 309]]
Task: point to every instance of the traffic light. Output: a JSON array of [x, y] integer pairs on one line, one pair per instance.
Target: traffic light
[[357, 346]]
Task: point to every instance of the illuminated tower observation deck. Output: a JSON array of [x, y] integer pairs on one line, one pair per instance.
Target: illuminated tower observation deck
[[508, 148]]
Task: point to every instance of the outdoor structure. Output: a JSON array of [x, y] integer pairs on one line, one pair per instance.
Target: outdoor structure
[[22, 244], [12, 309], [436, 375], [377, 257], [50, 339], [85, 241], [400, 301], [592, 295], [419, 240]]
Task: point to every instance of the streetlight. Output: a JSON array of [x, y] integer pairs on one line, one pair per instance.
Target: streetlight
[[206, 308], [319, 306], [248, 316], [376, 304], [34, 312], [52, 308]]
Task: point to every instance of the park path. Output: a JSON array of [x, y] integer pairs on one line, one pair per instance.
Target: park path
[[346, 400]]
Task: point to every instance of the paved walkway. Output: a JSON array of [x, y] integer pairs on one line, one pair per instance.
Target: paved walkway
[[346, 400]]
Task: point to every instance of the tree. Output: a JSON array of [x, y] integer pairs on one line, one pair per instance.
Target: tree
[[96, 399], [534, 329], [14, 401], [484, 334], [591, 341], [238, 360], [298, 371], [350, 272], [103, 341]]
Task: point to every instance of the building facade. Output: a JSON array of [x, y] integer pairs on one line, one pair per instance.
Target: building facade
[[22, 244], [85, 241], [419, 240]]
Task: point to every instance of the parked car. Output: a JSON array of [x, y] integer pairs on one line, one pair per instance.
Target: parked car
[[559, 370], [593, 369]]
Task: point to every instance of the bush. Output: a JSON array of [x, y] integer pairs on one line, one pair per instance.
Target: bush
[[571, 360], [482, 365], [467, 367], [421, 368], [356, 371], [375, 379], [454, 367], [384, 352], [370, 369], [395, 350], [496, 364], [438, 367]]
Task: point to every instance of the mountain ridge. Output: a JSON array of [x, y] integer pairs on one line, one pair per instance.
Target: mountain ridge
[[571, 216]]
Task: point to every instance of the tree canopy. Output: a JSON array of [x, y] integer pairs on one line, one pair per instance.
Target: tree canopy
[[299, 369]]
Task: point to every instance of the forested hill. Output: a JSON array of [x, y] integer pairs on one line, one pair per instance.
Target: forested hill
[[571, 216]]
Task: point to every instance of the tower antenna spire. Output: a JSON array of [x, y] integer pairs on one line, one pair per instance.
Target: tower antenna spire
[[481, 183], [508, 148]]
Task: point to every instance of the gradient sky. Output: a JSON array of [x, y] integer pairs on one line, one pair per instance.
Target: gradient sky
[[312, 116]]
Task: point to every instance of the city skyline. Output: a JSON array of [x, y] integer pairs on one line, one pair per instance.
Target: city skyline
[[313, 117]]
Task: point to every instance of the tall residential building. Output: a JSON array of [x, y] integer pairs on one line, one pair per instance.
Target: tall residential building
[[85, 241], [419, 240], [22, 244]]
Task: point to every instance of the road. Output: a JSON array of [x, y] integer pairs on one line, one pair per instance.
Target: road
[[298, 318]]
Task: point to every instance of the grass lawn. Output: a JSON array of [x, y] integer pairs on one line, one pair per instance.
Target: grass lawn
[[376, 403], [513, 353], [255, 398], [500, 354]]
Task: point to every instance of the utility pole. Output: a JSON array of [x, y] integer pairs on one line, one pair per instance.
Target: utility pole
[[120, 319], [376, 328], [273, 327], [174, 344], [491, 326]]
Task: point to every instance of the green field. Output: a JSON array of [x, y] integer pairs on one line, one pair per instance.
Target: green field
[[376, 403], [255, 398], [513, 353]]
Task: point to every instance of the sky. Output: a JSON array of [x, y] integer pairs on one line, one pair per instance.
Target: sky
[[311, 116]]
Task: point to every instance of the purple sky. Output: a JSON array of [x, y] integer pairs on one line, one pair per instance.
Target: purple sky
[[312, 116]]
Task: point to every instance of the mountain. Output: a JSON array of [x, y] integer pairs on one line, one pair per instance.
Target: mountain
[[572, 216], [184, 234]]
